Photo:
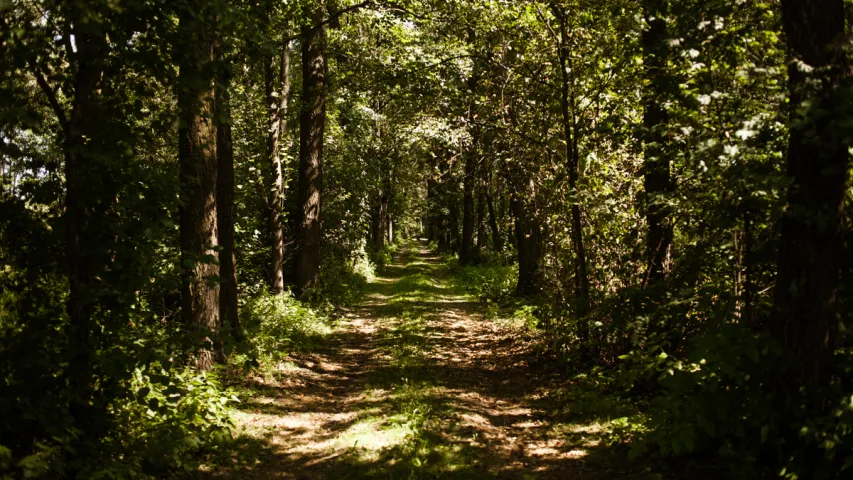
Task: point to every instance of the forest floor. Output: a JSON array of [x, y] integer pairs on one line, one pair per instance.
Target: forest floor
[[415, 383]]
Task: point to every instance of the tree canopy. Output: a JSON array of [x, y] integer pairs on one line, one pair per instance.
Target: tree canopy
[[192, 190]]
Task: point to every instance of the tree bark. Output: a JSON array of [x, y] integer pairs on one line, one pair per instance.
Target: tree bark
[[454, 239], [277, 128], [572, 154], [469, 180], [656, 168], [818, 160], [228, 311], [82, 133], [198, 165], [528, 237], [482, 236], [497, 240], [466, 251], [312, 123], [380, 215]]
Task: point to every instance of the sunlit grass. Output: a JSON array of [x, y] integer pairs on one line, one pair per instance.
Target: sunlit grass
[[372, 435]]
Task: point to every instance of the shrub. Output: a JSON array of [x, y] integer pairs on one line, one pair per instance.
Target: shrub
[[174, 421], [279, 324], [383, 257], [344, 276], [491, 283], [170, 423]]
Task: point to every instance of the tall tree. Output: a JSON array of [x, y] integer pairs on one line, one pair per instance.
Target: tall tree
[[84, 208], [225, 203], [482, 176], [312, 125], [199, 172], [572, 154], [277, 86], [656, 174], [808, 281], [467, 251]]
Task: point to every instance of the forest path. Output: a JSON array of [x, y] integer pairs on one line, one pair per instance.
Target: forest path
[[416, 384]]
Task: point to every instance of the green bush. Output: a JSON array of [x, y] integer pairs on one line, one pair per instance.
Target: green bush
[[276, 325], [716, 398], [383, 257], [175, 421], [171, 422], [344, 276], [725, 397], [491, 283]]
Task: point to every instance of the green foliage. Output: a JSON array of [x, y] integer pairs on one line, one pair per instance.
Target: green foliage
[[277, 325], [494, 284], [173, 423], [491, 283], [343, 277], [382, 258], [415, 92], [717, 397]]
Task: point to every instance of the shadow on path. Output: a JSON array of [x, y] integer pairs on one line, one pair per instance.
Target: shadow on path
[[416, 384]]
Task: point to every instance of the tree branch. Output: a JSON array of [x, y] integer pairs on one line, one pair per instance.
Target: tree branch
[[51, 98], [341, 13]]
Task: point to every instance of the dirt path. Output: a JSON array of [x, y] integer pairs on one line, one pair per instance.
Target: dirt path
[[416, 384]]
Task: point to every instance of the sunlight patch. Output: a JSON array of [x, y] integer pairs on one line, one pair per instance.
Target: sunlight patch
[[372, 435]]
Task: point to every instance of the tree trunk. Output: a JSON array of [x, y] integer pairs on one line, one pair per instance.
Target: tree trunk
[[656, 174], [572, 165], [482, 236], [228, 312], [379, 221], [497, 240], [811, 243], [82, 128], [277, 128], [312, 124], [469, 180], [528, 238], [198, 164], [454, 239], [466, 251]]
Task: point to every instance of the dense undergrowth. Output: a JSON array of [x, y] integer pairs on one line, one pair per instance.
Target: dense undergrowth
[[163, 417], [702, 399]]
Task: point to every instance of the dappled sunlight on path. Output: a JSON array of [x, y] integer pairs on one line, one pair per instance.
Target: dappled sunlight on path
[[416, 384]]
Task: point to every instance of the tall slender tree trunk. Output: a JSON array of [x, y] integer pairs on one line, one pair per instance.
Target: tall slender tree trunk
[[818, 161], [469, 180], [80, 129], [277, 128], [656, 168], [466, 251], [228, 312], [312, 124], [380, 216], [497, 240], [572, 163], [482, 236], [199, 172], [454, 239]]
